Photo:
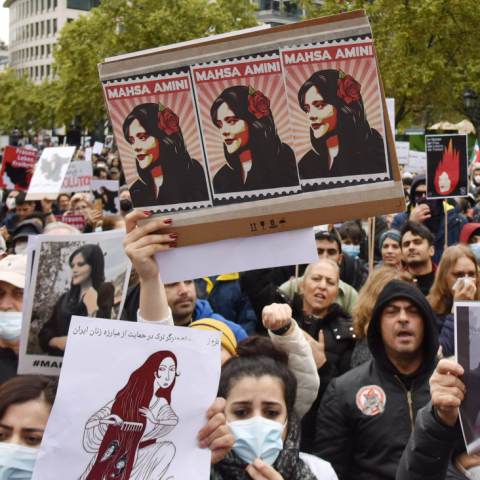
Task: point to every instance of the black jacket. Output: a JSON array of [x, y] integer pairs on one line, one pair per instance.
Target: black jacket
[[337, 330], [430, 450], [353, 271], [367, 415]]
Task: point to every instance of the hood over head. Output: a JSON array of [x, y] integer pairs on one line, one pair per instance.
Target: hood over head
[[397, 290], [418, 180], [467, 232]]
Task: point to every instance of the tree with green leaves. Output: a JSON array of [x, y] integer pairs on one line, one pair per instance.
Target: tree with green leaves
[[428, 50], [124, 26]]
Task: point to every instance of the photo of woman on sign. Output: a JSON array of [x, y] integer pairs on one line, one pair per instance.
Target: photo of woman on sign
[[257, 159], [343, 143], [168, 175]]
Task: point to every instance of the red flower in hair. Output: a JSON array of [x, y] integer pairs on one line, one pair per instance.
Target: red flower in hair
[[348, 87], [167, 120], [258, 103]]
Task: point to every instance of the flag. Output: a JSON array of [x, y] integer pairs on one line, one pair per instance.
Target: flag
[[476, 154]]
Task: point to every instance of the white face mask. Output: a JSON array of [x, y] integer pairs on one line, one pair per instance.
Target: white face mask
[[472, 473], [477, 178], [10, 325], [16, 461], [21, 248], [11, 203]]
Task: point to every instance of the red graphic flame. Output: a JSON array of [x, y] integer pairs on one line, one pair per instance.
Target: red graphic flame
[[450, 164]]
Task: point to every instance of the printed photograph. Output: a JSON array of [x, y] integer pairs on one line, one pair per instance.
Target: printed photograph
[[108, 192]]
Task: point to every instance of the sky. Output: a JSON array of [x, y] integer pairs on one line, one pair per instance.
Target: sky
[[4, 12]]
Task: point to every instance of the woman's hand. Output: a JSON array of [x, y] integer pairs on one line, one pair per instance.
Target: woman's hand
[[94, 218], [148, 414], [141, 247], [216, 434], [318, 348], [90, 299], [277, 316], [260, 470], [466, 290], [118, 421], [59, 342]]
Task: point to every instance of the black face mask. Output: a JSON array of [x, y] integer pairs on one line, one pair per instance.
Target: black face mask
[[126, 205]]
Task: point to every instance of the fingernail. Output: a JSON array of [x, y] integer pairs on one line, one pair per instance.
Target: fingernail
[[147, 213], [173, 235], [168, 221], [246, 466], [202, 444], [209, 414], [173, 245], [200, 436]]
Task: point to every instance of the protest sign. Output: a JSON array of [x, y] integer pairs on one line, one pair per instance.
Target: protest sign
[[16, 166], [447, 166], [403, 149], [417, 162], [159, 380], [97, 148], [88, 154], [180, 182], [467, 354], [236, 139], [108, 192], [108, 141], [49, 173], [391, 113], [72, 274], [77, 221], [78, 177]]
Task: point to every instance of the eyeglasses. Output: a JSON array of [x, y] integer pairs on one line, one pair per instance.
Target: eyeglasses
[[79, 209]]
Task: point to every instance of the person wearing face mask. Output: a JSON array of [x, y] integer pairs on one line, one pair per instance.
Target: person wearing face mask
[[436, 444], [9, 204], [476, 175], [12, 282], [327, 328], [260, 392], [471, 236], [431, 213], [125, 200], [22, 232], [25, 405]]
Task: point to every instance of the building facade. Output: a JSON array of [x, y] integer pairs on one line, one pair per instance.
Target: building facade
[[34, 27]]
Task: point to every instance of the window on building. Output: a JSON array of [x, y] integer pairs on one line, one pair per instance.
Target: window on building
[[43, 28], [31, 72], [26, 9], [82, 4], [48, 49], [43, 5], [36, 29], [48, 27], [49, 4], [36, 51], [48, 70], [42, 49], [41, 71], [31, 52], [31, 30], [55, 4], [31, 7], [69, 20], [54, 25], [36, 71], [36, 5]]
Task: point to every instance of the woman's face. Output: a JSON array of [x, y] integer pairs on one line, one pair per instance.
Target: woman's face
[[463, 267], [64, 202], [81, 207], [319, 288], [235, 132], [257, 397], [115, 163], [444, 182], [146, 147], [24, 423], [321, 115], [81, 270], [166, 372], [392, 253]]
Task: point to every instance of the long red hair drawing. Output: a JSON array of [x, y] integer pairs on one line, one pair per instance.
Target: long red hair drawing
[[448, 171]]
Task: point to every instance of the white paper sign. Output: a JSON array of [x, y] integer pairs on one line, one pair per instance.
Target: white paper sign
[[78, 177], [63, 265], [49, 173], [108, 192], [417, 162], [97, 148], [403, 149], [391, 114], [238, 255], [88, 154], [108, 141], [170, 372]]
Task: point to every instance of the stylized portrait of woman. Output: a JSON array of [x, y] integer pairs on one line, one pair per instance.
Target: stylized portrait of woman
[[52, 167], [257, 159], [125, 435], [448, 171], [168, 174], [343, 143], [89, 295]]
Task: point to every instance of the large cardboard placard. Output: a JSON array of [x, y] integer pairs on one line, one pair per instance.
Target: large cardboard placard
[[16, 165], [374, 190]]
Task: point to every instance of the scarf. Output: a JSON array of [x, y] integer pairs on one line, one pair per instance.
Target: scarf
[[287, 464]]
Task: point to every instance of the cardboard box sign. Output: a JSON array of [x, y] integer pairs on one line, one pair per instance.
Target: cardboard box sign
[[258, 132], [15, 172]]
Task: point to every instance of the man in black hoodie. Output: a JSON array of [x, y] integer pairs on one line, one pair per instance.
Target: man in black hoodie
[[367, 415]]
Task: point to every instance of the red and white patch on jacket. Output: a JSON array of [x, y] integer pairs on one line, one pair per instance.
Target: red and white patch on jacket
[[371, 400]]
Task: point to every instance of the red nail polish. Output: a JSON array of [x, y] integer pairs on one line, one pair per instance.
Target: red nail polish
[[173, 245], [173, 235], [168, 221], [246, 465], [147, 213]]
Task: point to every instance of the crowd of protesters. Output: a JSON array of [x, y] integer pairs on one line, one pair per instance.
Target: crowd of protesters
[[338, 371]]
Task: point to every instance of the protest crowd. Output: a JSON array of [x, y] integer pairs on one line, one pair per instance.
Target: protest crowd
[[338, 371]]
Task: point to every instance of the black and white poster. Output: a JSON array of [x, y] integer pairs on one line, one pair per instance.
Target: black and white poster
[[108, 192]]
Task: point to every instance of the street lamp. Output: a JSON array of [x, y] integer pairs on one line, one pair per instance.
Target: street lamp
[[471, 107]]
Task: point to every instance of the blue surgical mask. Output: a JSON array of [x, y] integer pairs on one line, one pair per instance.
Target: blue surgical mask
[[352, 250], [258, 437], [10, 325], [16, 461], [475, 248]]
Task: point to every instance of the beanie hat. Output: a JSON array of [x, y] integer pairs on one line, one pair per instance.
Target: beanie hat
[[393, 234]]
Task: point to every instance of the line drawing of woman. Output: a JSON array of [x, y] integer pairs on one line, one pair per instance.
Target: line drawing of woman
[[52, 167], [108, 199], [343, 143], [89, 295], [168, 174], [125, 435], [257, 159]]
